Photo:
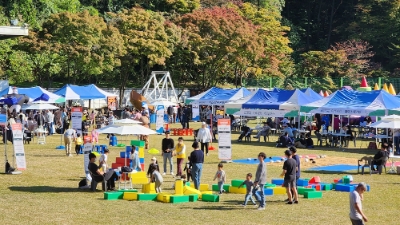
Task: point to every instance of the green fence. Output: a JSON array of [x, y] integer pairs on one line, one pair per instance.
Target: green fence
[[310, 81]]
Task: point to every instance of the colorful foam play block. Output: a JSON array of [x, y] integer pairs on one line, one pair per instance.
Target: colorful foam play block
[[113, 195], [124, 155], [317, 187], [137, 143], [141, 154], [149, 188], [314, 180], [189, 190], [210, 198], [236, 183], [302, 190], [204, 187], [139, 178], [215, 187], [313, 194], [277, 181], [116, 165], [237, 190], [122, 161], [206, 192], [179, 199], [130, 196], [328, 187], [344, 187], [268, 185], [226, 187], [164, 197], [302, 182], [336, 180], [187, 183], [179, 187], [146, 197], [268, 191], [128, 190], [279, 191], [193, 198], [346, 180], [333, 185]]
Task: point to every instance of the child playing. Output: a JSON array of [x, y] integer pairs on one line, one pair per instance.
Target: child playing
[[156, 178], [135, 159], [95, 136], [188, 169], [249, 192], [78, 143], [221, 177]]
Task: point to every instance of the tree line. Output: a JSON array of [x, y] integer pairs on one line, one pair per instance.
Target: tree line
[[203, 43]]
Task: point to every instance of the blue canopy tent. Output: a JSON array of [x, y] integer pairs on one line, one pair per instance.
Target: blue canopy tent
[[311, 93], [218, 96], [75, 92], [34, 93]]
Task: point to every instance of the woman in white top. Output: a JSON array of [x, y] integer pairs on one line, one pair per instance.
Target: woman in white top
[[204, 137]]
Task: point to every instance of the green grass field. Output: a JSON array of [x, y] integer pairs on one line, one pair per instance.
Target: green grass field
[[47, 192]]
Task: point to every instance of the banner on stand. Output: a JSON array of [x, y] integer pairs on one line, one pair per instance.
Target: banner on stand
[[195, 112], [87, 149], [224, 139], [160, 119], [18, 143], [76, 119]]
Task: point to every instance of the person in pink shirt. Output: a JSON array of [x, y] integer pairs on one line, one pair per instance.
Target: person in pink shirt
[[95, 136], [138, 115]]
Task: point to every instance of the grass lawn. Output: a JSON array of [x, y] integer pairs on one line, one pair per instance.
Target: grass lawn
[[47, 192]]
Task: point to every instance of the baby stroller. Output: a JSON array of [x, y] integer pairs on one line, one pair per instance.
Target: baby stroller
[[27, 137]]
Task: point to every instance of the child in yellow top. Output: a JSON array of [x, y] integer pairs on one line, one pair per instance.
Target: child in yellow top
[[180, 151], [78, 143]]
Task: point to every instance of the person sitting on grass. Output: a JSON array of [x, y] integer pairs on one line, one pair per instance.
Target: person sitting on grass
[[309, 141], [99, 176], [300, 142], [284, 141]]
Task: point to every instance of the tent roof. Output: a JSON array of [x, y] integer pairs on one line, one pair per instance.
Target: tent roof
[[345, 102], [218, 96], [35, 92], [107, 94], [74, 92], [312, 94]]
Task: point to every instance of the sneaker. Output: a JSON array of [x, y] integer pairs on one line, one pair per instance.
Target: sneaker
[[261, 208], [296, 202], [172, 173], [163, 174], [255, 137], [243, 205], [255, 205], [289, 203], [207, 154]]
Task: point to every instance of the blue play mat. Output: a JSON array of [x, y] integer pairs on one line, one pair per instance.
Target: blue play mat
[[255, 160], [335, 168]]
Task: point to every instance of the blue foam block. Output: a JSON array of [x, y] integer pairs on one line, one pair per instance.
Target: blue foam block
[[344, 187], [124, 155], [141, 160], [302, 182], [335, 168], [277, 181], [268, 191], [255, 161], [355, 185]]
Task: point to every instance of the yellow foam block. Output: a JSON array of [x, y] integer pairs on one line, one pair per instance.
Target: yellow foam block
[[237, 190], [279, 190], [192, 185], [204, 187], [189, 190], [149, 188], [179, 187], [138, 175], [141, 152], [140, 180], [164, 197], [130, 196], [206, 192]]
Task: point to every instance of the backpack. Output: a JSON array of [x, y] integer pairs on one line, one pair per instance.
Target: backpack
[[83, 183]]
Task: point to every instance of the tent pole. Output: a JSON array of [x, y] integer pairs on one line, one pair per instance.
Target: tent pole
[[5, 141]]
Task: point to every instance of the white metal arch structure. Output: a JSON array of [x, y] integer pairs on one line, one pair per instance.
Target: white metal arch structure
[[162, 89]]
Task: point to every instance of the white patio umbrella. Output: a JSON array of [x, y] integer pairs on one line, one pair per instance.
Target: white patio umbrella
[[126, 122], [41, 106], [163, 102], [126, 130]]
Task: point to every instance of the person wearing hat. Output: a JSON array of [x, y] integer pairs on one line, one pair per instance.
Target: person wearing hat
[[289, 181], [155, 163], [167, 147], [204, 137], [180, 151]]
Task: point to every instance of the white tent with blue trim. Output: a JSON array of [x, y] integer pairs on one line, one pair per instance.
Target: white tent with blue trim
[[218, 96]]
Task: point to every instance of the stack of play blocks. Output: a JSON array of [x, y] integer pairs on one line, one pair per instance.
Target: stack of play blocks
[[124, 157], [139, 147], [183, 193]]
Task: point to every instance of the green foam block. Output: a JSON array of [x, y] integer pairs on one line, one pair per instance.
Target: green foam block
[[303, 190], [179, 199], [128, 190], [137, 143], [268, 185], [147, 197], [193, 197], [209, 198], [313, 194], [226, 188], [333, 185], [187, 184], [346, 180], [328, 187], [215, 187], [236, 183], [113, 195]]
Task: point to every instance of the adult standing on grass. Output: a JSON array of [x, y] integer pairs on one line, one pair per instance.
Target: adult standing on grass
[[260, 180], [204, 137], [69, 136], [289, 171], [197, 160], [357, 216], [167, 146]]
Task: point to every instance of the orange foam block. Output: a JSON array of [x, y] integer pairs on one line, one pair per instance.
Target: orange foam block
[[314, 180]]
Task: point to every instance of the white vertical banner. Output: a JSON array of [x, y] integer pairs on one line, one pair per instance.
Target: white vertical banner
[[160, 119], [87, 149], [18, 143], [76, 119], [224, 139], [195, 112]]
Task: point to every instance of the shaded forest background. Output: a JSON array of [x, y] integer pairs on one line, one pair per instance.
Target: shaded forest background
[[203, 43]]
